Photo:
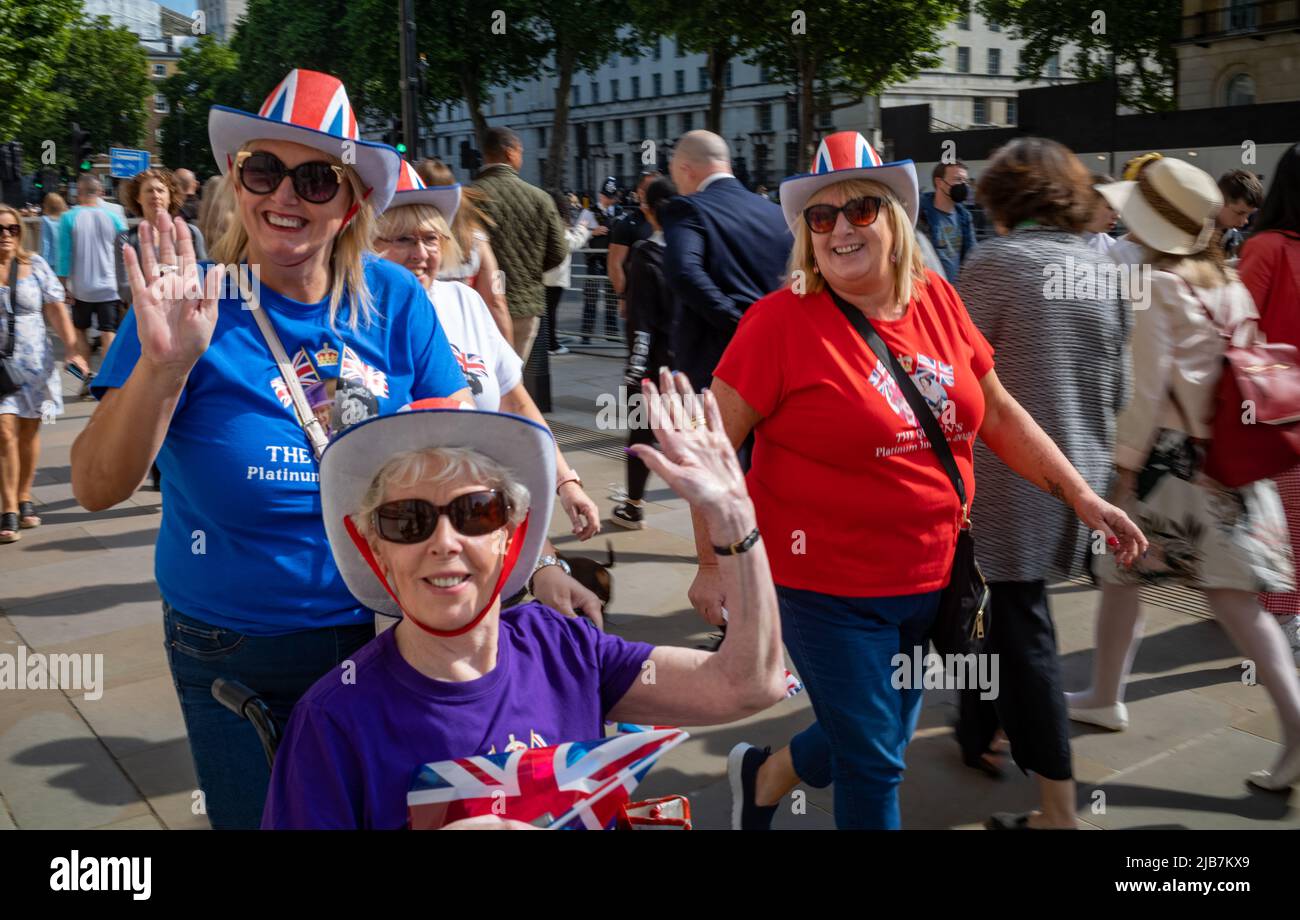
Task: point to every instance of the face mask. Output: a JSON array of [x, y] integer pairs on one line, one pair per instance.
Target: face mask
[[958, 192]]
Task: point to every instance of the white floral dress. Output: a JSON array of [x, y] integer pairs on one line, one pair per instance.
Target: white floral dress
[[41, 394]]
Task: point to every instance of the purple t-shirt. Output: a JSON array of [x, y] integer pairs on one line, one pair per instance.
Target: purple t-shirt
[[352, 749]]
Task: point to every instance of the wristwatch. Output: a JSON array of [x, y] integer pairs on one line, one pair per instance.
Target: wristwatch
[[543, 563], [572, 477], [740, 546]]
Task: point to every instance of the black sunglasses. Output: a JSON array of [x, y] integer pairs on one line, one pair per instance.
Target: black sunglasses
[[861, 212], [14, 230], [261, 173], [413, 520]]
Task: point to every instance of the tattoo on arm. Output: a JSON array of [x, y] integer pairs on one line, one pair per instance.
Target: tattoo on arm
[[1055, 490]]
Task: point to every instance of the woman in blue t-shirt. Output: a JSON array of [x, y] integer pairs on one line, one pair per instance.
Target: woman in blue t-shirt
[[434, 516], [249, 586]]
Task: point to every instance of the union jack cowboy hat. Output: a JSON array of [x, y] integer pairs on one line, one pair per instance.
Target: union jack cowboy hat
[[412, 190], [312, 109], [847, 155]]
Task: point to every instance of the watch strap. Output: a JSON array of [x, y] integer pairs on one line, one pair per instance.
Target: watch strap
[[740, 546]]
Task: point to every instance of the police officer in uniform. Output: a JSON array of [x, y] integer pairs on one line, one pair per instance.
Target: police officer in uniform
[[596, 287]]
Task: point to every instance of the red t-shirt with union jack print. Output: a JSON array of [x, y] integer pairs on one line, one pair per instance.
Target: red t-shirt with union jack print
[[851, 499]]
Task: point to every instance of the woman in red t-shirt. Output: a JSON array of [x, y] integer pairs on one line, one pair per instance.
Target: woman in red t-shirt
[[860, 518]]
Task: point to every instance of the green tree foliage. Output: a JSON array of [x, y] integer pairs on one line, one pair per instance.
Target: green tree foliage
[[34, 36], [845, 46], [717, 28], [1135, 39], [574, 36], [103, 84], [277, 36], [207, 74]]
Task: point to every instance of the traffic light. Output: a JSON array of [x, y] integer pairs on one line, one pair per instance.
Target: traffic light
[[393, 136], [81, 149], [470, 158]]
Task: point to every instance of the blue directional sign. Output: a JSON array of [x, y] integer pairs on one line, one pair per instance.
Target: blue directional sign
[[123, 162]]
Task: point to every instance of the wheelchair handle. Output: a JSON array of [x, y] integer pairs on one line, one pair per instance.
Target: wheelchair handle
[[246, 704]]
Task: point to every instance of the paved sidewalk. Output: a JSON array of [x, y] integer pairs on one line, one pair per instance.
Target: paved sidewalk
[[83, 583]]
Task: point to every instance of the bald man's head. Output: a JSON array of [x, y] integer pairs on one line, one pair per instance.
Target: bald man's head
[[188, 181], [698, 155]]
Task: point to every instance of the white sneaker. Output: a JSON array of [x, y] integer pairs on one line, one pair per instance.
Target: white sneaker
[[1282, 777], [1291, 629], [1113, 717]]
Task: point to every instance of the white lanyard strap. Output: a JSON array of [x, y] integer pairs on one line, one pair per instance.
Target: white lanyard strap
[[306, 418]]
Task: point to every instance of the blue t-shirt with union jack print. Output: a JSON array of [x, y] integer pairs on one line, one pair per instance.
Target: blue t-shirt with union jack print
[[242, 544]]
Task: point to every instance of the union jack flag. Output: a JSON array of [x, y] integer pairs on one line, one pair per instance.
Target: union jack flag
[[575, 785], [303, 367], [313, 100], [282, 391], [941, 372], [471, 365], [887, 387], [353, 368]]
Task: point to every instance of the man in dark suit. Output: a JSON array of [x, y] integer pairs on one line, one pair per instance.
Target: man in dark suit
[[725, 247]]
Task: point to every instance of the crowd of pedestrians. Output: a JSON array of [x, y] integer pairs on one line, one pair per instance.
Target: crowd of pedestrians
[[847, 380]]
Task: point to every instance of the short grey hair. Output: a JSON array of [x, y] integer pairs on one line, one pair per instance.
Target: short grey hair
[[438, 466]]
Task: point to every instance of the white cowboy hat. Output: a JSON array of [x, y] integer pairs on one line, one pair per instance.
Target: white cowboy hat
[[445, 199], [847, 155], [309, 108], [1170, 207], [353, 459]]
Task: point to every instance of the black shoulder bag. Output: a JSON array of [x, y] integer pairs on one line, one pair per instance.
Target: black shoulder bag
[[962, 624], [10, 379]]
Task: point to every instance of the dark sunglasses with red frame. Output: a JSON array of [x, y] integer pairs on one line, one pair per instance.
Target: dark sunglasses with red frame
[[413, 520]]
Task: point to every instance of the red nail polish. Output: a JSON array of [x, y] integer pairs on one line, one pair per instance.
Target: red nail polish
[[1112, 541]]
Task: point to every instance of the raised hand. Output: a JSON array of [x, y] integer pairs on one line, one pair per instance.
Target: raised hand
[[175, 311], [694, 457]]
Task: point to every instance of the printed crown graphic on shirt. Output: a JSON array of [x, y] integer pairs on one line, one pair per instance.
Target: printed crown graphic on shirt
[[351, 368]]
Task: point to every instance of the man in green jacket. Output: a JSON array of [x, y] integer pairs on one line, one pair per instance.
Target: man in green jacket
[[526, 233]]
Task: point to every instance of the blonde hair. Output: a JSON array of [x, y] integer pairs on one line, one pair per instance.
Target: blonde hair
[[24, 256], [908, 267], [347, 260], [470, 216], [407, 219], [1205, 269], [449, 465], [216, 208]]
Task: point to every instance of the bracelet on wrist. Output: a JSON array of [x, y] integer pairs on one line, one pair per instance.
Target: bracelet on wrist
[[740, 546]]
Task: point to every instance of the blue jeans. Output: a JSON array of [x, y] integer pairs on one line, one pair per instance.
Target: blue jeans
[[843, 648], [228, 758]]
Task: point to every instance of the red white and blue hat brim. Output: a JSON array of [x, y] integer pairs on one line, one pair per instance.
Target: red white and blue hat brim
[[353, 459], [444, 198], [377, 164], [899, 177]]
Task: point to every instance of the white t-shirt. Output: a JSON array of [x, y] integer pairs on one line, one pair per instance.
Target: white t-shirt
[[489, 364]]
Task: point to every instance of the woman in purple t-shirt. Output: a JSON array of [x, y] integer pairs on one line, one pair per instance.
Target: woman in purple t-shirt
[[434, 515]]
